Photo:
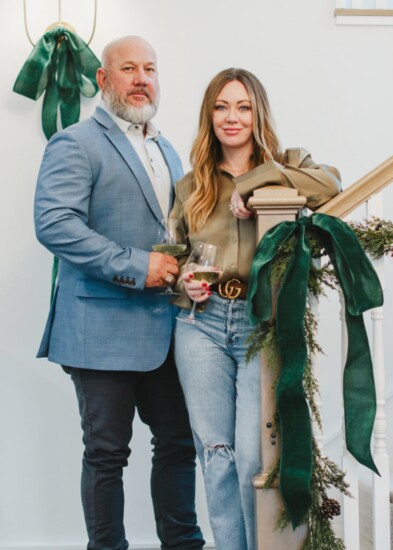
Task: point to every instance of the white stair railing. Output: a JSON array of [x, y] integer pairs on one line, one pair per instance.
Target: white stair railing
[[381, 485]]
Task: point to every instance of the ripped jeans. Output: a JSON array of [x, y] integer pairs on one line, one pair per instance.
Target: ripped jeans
[[223, 400]]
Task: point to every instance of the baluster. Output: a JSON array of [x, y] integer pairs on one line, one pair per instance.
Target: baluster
[[381, 486], [349, 464]]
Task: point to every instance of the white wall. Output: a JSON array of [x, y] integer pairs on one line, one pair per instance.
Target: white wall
[[331, 91]]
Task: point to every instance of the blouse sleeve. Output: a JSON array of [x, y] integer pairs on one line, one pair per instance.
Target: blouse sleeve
[[317, 182]]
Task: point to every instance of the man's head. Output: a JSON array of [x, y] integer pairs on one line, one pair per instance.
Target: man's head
[[128, 79]]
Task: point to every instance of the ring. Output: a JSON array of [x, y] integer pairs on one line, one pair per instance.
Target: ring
[[169, 278], [231, 207]]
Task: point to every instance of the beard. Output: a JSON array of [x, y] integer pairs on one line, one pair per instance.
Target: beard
[[120, 106]]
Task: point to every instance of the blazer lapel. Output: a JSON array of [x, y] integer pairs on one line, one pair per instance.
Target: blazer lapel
[[120, 141]]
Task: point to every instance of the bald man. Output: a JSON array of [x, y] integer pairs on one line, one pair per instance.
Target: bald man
[[103, 187]]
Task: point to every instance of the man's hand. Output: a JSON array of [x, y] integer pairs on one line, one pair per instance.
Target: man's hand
[[162, 271]]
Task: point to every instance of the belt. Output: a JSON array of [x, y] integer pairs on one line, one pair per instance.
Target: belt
[[231, 290]]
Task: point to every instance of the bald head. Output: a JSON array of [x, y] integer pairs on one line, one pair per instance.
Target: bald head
[[122, 47], [128, 79]]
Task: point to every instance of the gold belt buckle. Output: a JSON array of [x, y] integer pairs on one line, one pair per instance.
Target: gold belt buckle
[[229, 289]]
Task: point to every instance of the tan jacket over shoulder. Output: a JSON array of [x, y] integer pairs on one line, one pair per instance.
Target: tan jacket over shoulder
[[317, 182]]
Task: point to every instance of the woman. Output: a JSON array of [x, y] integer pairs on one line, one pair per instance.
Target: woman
[[236, 151]]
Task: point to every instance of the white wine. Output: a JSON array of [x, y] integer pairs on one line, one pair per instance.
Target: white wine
[[209, 276], [170, 249]]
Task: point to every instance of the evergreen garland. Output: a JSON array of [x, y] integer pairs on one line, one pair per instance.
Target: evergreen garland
[[376, 238]]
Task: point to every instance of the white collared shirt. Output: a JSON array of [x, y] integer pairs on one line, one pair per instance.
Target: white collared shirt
[[149, 154]]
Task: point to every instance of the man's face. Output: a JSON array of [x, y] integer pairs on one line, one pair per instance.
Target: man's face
[[129, 83]]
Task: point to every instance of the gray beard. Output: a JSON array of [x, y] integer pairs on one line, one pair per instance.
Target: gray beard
[[135, 115]]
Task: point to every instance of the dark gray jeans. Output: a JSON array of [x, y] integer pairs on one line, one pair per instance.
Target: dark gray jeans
[[107, 403]]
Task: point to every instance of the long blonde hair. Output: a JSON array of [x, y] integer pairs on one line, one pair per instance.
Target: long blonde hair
[[206, 151]]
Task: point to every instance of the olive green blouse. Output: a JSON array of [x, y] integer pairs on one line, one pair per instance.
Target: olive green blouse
[[237, 238]]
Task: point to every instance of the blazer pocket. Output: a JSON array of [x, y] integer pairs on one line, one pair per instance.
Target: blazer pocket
[[87, 288]]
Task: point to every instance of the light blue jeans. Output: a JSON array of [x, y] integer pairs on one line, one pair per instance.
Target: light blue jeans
[[223, 400]]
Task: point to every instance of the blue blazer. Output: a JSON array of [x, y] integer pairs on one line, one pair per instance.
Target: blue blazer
[[96, 210]]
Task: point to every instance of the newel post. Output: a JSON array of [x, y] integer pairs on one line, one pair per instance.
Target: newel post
[[272, 205]]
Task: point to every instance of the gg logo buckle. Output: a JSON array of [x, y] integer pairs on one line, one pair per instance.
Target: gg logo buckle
[[229, 289]]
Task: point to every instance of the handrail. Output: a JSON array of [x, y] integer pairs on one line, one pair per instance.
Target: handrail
[[360, 191]]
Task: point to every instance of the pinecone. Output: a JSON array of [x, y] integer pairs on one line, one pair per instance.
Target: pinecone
[[330, 508]]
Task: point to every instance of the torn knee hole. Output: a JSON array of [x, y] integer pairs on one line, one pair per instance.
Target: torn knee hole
[[224, 450]]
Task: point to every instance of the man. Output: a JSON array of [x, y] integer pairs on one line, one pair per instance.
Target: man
[[103, 186]]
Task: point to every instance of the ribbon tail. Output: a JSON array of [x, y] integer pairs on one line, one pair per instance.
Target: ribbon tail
[[296, 441], [362, 291], [69, 101], [51, 102], [359, 393], [55, 270]]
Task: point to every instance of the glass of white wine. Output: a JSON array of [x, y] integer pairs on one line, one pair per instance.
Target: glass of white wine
[[206, 264], [171, 240]]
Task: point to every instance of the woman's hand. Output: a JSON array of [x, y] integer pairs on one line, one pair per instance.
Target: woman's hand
[[238, 208], [198, 291]]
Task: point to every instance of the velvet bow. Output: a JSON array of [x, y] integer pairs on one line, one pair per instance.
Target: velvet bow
[[63, 65], [362, 291]]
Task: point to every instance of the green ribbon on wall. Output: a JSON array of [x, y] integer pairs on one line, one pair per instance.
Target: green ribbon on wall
[[62, 65], [362, 291]]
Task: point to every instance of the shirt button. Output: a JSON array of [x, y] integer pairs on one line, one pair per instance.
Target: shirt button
[[233, 267], [234, 239]]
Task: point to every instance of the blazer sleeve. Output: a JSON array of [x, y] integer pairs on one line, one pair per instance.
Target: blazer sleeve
[[317, 182], [61, 212]]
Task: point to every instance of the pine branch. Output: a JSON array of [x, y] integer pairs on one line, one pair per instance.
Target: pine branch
[[375, 236]]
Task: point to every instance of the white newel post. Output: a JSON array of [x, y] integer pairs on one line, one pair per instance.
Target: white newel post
[[271, 206], [381, 485]]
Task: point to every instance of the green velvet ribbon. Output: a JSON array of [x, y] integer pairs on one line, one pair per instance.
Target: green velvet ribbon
[[62, 65], [362, 291]]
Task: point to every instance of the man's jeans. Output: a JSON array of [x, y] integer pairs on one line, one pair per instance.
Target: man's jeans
[[107, 403], [223, 399]]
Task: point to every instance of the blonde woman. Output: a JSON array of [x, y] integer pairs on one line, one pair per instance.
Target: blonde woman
[[236, 151]]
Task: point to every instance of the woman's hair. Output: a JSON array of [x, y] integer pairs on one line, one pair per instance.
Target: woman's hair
[[206, 151]]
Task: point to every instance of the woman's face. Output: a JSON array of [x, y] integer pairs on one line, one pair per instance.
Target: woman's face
[[232, 117]]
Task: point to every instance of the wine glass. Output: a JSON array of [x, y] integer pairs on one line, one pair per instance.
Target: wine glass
[[171, 240], [205, 263]]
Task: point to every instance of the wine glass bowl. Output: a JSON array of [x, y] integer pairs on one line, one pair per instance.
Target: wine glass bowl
[[206, 265], [171, 240]]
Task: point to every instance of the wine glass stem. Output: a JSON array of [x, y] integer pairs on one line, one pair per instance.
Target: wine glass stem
[[192, 312]]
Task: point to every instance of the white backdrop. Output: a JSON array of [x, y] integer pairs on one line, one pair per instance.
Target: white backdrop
[[331, 92]]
